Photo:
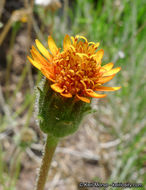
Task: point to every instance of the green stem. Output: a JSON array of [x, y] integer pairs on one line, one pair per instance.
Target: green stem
[[50, 147]]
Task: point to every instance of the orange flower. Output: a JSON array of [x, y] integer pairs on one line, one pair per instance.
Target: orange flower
[[76, 71]]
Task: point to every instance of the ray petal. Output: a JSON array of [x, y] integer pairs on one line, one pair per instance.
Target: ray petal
[[93, 94], [42, 49], [84, 99], [107, 67], [57, 88], [52, 46], [38, 57], [105, 88], [47, 74], [66, 42], [111, 72], [66, 95], [105, 79], [99, 55], [34, 63]]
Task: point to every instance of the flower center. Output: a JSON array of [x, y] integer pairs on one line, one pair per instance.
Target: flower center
[[75, 71]]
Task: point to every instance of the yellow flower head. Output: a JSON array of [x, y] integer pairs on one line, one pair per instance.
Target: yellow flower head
[[77, 70]]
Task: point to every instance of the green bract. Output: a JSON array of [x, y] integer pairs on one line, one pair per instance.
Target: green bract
[[57, 115]]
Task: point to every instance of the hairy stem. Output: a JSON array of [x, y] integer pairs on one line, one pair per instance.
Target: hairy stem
[[50, 147]]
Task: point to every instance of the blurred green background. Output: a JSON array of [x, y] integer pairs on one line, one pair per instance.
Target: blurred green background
[[112, 140]]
